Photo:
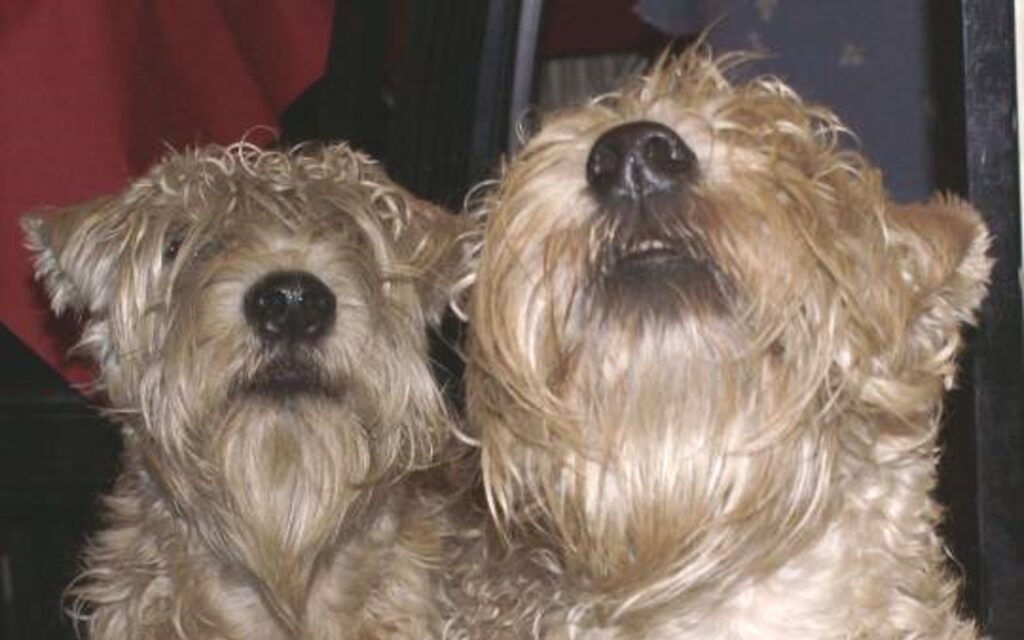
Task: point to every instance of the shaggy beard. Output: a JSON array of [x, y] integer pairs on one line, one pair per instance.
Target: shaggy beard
[[678, 469], [286, 487], [675, 464]]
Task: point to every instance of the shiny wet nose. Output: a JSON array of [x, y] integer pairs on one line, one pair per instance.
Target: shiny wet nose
[[289, 306], [637, 160]]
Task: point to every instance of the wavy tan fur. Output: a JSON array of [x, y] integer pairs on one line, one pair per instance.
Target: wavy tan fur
[[747, 454], [241, 516]]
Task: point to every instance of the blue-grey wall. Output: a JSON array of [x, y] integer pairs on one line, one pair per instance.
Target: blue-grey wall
[[872, 61]]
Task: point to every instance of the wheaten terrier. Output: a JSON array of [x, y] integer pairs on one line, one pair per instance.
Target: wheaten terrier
[[706, 365], [258, 320]]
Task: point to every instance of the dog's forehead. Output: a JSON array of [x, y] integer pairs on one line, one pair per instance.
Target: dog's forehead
[[221, 189]]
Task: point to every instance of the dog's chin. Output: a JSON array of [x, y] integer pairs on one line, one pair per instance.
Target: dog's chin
[[662, 280]]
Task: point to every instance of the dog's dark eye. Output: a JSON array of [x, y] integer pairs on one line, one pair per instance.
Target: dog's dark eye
[[171, 247]]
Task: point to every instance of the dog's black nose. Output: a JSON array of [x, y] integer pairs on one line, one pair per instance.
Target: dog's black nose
[[638, 159], [289, 306]]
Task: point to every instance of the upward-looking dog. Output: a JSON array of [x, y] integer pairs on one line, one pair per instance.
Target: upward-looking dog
[[258, 319], [706, 363]]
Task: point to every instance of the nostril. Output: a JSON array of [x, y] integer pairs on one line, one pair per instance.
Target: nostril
[[271, 304], [289, 305], [317, 304], [603, 167], [668, 155]]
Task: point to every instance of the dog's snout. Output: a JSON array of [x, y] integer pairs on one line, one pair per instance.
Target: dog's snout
[[290, 306], [638, 159]]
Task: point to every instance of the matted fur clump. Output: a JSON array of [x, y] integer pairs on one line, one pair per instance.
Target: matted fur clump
[[706, 363], [258, 320]]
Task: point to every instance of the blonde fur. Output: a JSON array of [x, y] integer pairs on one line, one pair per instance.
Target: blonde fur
[[242, 515], [749, 454]]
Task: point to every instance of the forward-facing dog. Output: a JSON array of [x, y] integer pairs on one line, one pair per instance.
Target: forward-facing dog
[[258, 320], [706, 364]]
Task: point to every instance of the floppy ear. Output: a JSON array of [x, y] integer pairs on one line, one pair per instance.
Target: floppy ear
[[435, 245], [75, 251], [431, 244], [944, 261], [941, 253]]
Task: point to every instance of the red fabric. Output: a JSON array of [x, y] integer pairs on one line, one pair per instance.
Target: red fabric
[[93, 91], [587, 27]]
